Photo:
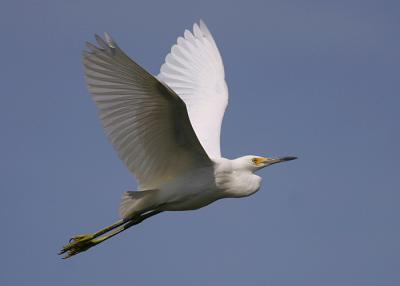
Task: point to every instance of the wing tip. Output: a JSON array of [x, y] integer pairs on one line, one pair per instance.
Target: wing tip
[[110, 41], [106, 43], [204, 28]]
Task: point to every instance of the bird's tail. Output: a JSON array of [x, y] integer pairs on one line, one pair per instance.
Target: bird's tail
[[134, 203]]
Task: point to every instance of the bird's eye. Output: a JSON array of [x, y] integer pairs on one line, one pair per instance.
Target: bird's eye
[[255, 161]]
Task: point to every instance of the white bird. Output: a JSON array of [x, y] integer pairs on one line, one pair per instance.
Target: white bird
[[166, 129]]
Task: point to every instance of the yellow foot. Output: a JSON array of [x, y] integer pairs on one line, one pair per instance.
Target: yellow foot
[[78, 244]]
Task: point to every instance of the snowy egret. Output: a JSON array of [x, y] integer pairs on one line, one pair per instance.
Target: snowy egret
[[166, 129]]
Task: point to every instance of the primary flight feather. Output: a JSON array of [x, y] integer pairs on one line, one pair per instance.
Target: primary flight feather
[[166, 129], [194, 70]]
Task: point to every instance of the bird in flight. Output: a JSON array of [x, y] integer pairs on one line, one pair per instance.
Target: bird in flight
[[166, 129]]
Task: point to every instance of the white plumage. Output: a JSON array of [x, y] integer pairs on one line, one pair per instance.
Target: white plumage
[[166, 129], [194, 70], [146, 121]]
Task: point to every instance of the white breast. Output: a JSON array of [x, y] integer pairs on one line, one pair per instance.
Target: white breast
[[235, 182]]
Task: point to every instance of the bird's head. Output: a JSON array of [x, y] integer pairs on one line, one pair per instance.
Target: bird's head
[[255, 163]]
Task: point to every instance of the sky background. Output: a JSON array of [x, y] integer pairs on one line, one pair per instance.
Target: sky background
[[315, 79]]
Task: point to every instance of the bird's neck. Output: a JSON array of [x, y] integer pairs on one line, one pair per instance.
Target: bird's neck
[[233, 180], [245, 183]]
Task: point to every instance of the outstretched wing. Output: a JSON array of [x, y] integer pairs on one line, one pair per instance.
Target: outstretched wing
[[145, 120], [194, 70]]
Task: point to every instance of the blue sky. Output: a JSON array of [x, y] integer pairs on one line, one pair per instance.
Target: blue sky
[[316, 79]]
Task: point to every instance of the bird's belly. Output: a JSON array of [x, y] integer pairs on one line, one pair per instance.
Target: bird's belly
[[190, 192], [192, 201]]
